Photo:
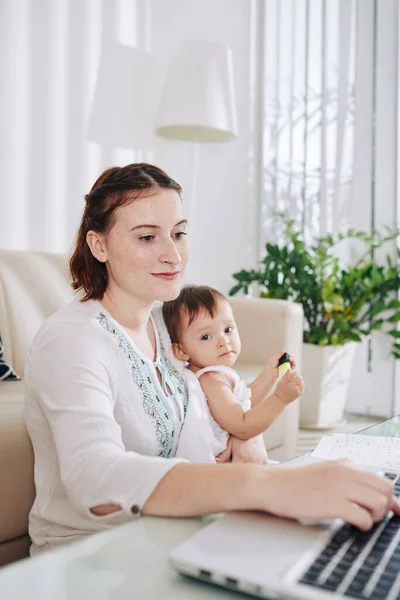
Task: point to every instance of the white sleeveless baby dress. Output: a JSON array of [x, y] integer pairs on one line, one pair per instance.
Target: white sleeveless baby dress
[[202, 438]]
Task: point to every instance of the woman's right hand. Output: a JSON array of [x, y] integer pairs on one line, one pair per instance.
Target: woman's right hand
[[330, 490], [290, 387]]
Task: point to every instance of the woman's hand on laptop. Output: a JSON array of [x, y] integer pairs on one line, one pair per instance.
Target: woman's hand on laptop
[[331, 490]]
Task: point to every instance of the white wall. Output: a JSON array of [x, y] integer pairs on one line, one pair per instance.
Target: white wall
[[49, 56]]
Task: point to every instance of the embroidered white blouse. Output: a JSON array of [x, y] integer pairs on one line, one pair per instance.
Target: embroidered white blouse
[[101, 424]]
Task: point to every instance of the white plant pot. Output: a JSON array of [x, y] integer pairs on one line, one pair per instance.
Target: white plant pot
[[326, 371]]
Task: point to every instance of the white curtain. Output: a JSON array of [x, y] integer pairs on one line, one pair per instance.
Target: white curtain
[[49, 56], [309, 76]]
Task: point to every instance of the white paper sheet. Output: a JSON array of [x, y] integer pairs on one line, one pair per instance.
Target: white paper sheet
[[368, 450]]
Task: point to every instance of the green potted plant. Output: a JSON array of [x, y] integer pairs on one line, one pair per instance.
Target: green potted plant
[[342, 304]]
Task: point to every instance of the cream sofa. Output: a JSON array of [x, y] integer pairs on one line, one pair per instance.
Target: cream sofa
[[34, 285]]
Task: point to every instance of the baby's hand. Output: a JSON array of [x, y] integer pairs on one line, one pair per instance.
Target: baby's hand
[[271, 367], [290, 387]]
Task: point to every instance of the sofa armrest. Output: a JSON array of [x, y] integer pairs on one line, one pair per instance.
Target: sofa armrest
[[17, 490], [265, 327], [33, 285]]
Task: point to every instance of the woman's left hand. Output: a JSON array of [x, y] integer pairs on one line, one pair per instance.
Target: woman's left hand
[[246, 451]]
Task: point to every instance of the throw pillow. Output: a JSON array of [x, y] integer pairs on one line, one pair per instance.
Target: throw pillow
[[7, 373]]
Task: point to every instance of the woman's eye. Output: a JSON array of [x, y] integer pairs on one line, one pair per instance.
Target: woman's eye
[[206, 337], [228, 329], [179, 235], [146, 238]]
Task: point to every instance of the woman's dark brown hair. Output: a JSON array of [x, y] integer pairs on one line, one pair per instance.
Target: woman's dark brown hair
[[193, 299], [117, 186]]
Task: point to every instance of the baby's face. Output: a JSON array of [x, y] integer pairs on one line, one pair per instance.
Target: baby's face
[[211, 341]]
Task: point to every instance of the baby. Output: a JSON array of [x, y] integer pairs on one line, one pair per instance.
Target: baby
[[203, 333]]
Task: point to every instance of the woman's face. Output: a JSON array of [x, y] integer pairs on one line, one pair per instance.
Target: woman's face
[[146, 250]]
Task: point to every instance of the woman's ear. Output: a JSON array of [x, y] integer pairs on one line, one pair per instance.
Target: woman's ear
[[179, 352], [96, 244]]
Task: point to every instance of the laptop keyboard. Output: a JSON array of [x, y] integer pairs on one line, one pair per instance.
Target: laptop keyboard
[[361, 564]]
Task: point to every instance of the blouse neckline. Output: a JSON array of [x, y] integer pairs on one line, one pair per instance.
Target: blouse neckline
[[130, 339]]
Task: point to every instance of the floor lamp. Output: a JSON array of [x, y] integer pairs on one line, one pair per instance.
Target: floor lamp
[[125, 99], [198, 100]]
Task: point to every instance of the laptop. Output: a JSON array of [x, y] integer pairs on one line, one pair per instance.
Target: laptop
[[271, 557]]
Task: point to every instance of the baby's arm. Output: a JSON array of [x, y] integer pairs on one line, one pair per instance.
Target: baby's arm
[[228, 413]]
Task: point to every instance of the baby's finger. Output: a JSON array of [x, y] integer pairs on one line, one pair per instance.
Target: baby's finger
[[223, 457], [299, 380], [286, 380], [293, 378], [226, 454], [276, 357]]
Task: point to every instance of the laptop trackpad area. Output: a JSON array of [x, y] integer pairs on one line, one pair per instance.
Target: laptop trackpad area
[[249, 547]]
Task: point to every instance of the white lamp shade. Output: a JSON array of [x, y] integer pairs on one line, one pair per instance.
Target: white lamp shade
[[126, 98], [198, 100]]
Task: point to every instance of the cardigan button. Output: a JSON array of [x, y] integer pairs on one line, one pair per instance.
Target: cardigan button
[[135, 509]]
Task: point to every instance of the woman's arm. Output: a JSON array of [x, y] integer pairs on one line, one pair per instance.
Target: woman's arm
[[319, 491], [228, 413]]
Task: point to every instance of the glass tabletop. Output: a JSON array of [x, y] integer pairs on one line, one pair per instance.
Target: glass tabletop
[[388, 428]]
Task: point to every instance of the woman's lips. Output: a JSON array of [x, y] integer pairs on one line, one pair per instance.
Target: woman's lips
[[167, 276]]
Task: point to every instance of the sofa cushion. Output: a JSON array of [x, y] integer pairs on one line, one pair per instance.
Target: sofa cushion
[[16, 463], [7, 373], [12, 391]]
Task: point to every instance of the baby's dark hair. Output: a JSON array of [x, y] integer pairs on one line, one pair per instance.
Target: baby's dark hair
[[193, 299]]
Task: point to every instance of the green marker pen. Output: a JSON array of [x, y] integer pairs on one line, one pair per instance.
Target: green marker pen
[[283, 365]]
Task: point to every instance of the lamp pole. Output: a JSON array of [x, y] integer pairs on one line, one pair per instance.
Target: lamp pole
[[198, 104]]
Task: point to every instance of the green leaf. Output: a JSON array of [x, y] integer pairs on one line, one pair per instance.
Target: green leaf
[[378, 308], [377, 325], [394, 318], [354, 336], [394, 304], [394, 333], [235, 289]]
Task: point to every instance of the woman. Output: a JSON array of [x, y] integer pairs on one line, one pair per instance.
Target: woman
[[105, 402]]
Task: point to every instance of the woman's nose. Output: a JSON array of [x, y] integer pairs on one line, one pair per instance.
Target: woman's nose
[[170, 253]]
